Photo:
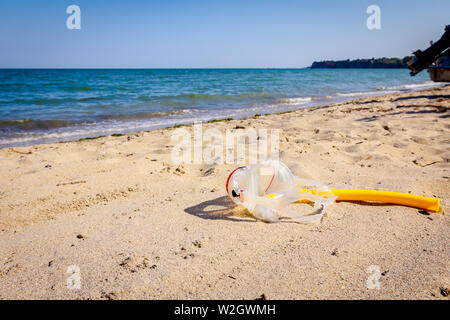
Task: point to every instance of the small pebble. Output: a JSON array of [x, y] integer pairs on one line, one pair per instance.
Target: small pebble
[[197, 243]]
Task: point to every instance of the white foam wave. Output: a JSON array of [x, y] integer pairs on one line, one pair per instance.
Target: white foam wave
[[294, 101], [366, 93], [422, 85]]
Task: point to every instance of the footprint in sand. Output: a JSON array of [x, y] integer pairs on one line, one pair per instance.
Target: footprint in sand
[[352, 149]]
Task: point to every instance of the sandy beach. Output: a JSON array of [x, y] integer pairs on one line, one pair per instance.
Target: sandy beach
[[138, 226]]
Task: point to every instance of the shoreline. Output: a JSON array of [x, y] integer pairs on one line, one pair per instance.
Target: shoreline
[[139, 226], [338, 99]]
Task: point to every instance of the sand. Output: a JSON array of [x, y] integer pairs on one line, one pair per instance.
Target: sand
[[139, 227]]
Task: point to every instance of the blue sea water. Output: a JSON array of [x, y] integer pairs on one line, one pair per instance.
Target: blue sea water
[[43, 105]]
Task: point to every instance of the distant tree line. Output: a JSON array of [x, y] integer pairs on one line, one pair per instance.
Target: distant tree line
[[363, 63]]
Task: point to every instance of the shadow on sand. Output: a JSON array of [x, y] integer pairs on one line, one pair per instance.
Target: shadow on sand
[[218, 209], [223, 208], [431, 97], [436, 109]]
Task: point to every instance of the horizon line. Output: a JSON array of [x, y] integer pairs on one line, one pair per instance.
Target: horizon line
[[162, 68]]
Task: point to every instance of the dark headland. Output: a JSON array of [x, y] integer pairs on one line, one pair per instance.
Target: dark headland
[[362, 63]]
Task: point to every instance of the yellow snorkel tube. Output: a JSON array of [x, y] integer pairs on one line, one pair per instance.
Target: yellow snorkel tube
[[389, 197], [404, 199]]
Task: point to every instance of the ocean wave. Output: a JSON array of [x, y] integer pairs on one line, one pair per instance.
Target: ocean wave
[[37, 124], [294, 101], [206, 97], [75, 88], [413, 86], [147, 115], [95, 129], [30, 124], [362, 93], [55, 101], [392, 89]]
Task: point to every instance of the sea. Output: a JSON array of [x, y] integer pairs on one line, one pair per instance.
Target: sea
[[52, 105]]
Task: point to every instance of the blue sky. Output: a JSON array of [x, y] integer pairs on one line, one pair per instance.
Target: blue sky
[[211, 33]]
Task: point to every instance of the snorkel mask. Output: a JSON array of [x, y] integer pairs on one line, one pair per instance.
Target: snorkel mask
[[268, 189]]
